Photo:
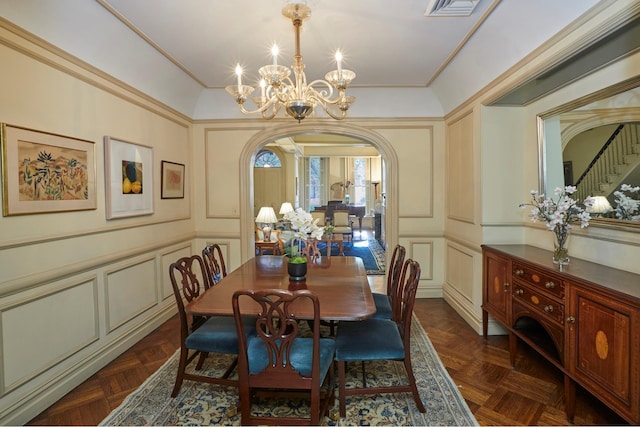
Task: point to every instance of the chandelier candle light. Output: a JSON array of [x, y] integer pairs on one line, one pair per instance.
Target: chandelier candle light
[[298, 97]]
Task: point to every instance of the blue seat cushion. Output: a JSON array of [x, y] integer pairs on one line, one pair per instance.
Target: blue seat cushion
[[370, 339], [301, 355], [383, 306], [218, 335]]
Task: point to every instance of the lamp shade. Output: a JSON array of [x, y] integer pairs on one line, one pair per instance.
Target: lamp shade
[[285, 208], [266, 215], [600, 205]]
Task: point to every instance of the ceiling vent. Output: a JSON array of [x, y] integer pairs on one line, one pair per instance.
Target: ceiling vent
[[451, 7]]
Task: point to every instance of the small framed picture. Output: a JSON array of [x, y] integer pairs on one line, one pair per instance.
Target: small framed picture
[[172, 178], [128, 178], [44, 172]]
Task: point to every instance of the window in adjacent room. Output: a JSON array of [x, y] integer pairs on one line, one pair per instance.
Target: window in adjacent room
[[267, 159]]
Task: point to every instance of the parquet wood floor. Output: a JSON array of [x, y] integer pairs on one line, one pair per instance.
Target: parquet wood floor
[[495, 393]]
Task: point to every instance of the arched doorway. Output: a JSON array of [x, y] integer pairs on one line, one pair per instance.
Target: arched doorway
[[253, 146]]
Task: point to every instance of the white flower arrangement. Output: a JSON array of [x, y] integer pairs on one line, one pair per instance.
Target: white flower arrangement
[[304, 227], [560, 212], [627, 208], [558, 215]]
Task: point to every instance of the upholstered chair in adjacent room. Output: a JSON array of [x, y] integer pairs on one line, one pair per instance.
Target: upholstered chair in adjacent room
[[384, 302], [342, 224], [381, 339], [214, 264], [199, 335], [278, 359]]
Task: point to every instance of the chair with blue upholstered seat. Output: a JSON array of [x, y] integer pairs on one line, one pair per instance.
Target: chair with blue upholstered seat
[[200, 335], [381, 339], [214, 263], [277, 358], [383, 302]]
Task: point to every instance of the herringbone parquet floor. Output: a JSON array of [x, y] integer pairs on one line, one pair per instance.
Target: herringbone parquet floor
[[495, 393]]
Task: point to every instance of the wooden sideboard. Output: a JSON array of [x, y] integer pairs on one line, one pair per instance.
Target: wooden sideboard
[[585, 320]]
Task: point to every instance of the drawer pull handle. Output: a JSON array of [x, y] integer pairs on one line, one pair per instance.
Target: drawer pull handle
[[519, 292], [506, 286], [571, 319], [519, 272], [550, 285], [548, 308]]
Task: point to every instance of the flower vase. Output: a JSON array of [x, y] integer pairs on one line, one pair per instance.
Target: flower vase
[[560, 241], [297, 271]]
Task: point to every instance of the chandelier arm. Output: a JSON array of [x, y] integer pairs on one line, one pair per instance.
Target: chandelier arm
[[262, 109], [327, 110]]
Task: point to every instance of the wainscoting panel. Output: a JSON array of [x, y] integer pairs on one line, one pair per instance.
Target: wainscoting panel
[[41, 329], [460, 271], [130, 290]]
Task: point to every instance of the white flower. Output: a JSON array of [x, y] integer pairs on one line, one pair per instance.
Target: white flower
[[559, 213], [304, 225], [627, 208]]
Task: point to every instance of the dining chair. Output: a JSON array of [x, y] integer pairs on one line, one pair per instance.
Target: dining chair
[[200, 335], [278, 359], [214, 264], [383, 302], [381, 339]]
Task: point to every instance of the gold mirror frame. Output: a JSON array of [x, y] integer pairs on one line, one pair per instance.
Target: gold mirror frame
[[608, 92]]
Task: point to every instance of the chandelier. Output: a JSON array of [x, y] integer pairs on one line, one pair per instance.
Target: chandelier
[[298, 97]]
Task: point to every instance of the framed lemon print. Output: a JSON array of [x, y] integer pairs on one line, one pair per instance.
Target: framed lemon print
[[128, 178]]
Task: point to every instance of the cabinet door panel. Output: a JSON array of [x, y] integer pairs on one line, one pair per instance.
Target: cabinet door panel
[[604, 336], [496, 287]]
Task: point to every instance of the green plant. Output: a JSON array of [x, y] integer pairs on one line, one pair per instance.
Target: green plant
[[297, 260]]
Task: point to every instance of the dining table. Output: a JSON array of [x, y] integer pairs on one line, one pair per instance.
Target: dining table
[[340, 283]]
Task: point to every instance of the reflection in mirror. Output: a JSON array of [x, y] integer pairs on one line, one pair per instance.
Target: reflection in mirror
[[594, 144]]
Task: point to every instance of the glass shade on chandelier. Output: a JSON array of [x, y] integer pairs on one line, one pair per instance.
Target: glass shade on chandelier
[[299, 98], [266, 217]]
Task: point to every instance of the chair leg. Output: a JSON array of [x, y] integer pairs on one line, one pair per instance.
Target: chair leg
[[201, 358], [342, 388], [231, 368], [180, 374], [412, 384]]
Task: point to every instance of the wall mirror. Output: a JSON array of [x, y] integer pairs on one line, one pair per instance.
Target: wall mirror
[[593, 143]]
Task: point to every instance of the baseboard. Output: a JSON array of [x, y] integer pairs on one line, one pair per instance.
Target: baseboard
[[35, 402]]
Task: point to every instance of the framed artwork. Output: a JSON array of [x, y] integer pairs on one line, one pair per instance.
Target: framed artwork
[[44, 172], [128, 178], [172, 178]]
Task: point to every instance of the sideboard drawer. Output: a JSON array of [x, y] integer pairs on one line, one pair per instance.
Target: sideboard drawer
[[537, 278], [548, 307]]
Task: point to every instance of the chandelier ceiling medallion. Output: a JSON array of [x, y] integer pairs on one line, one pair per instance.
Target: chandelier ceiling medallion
[[298, 97]]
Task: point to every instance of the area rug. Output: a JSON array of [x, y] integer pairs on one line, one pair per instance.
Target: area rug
[[207, 404], [370, 251]]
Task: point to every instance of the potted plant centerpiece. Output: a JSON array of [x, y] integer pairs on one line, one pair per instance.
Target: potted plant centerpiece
[[304, 227]]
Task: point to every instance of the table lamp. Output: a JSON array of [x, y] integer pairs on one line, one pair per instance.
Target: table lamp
[[266, 216], [285, 208], [601, 206]]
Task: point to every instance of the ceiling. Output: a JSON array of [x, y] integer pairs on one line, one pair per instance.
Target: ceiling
[[176, 50], [387, 44]]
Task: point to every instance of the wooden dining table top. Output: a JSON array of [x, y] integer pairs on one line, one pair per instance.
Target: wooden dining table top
[[340, 283]]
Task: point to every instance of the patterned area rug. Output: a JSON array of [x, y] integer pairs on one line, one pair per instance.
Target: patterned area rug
[[206, 404], [370, 251]]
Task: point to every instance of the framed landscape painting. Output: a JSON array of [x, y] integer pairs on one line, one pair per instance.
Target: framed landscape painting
[[45, 172], [172, 178], [128, 178]]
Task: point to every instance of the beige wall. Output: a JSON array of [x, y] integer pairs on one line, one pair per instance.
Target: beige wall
[[76, 289]]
